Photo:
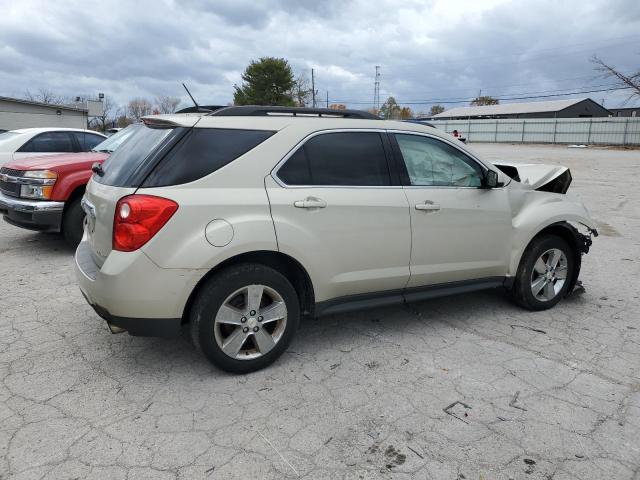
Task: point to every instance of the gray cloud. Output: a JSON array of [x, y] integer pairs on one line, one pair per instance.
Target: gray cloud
[[428, 50]]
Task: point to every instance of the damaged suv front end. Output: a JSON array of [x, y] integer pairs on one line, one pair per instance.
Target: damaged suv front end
[[540, 204]]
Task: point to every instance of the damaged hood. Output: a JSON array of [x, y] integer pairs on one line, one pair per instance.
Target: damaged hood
[[545, 178]]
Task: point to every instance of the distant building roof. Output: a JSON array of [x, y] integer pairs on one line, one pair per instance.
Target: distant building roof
[[624, 109], [40, 104], [510, 108]]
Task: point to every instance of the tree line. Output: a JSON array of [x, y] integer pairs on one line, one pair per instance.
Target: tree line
[[271, 81], [113, 114]]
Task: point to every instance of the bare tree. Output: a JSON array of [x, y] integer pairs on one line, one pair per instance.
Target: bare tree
[[390, 109], [167, 104], [406, 113], [138, 108], [301, 91], [484, 100], [44, 95], [122, 121], [436, 109], [631, 82], [108, 114]]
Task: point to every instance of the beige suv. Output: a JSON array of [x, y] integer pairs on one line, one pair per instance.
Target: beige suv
[[237, 223]]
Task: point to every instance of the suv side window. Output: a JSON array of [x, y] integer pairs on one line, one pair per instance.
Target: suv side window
[[433, 163], [87, 140], [203, 151], [341, 159], [49, 142]]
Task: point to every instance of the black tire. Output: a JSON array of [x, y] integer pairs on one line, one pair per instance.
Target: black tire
[[216, 290], [73, 222], [522, 293]]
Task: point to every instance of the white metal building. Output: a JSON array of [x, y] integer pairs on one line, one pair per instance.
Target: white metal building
[[571, 108], [17, 113]]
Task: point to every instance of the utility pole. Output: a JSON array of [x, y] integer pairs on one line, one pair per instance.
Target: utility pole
[[376, 90], [327, 98], [313, 89]]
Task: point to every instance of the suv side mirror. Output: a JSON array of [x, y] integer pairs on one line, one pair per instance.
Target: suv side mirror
[[491, 179]]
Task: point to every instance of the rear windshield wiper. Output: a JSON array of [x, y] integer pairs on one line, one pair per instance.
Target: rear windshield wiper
[[97, 169], [102, 151]]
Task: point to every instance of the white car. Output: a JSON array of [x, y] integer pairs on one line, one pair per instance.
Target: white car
[[237, 223], [33, 142]]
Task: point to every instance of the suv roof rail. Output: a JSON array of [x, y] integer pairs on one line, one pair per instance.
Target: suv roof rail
[[260, 111], [201, 108], [420, 122]]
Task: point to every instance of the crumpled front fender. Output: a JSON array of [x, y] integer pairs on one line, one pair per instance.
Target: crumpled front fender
[[539, 211]]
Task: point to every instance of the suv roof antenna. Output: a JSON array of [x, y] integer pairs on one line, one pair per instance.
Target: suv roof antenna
[[198, 107]]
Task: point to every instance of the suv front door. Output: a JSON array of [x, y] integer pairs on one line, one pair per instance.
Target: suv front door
[[336, 209], [460, 230]]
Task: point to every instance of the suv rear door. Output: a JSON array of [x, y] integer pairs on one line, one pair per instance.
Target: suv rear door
[[337, 209], [460, 230]]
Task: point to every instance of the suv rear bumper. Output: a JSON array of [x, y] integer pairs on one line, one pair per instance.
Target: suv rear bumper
[[132, 293], [138, 327], [42, 215]]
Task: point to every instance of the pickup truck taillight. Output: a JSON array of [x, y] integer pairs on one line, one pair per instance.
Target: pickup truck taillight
[[138, 218]]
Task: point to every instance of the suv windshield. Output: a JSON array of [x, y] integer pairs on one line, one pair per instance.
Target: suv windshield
[[114, 141], [121, 166]]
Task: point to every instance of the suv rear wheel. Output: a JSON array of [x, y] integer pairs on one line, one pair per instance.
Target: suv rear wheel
[[244, 317], [544, 274]]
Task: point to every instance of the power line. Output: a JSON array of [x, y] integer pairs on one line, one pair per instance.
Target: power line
[[539, 92], [525, 97], [527, 57]]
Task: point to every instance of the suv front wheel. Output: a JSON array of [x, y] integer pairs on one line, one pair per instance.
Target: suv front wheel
[[544, 274], [244, 317]]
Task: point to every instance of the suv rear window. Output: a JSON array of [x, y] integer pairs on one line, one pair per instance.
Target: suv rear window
[[203, 151], [121, 166]]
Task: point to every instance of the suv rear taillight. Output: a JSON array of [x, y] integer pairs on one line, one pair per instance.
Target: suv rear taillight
[[138, 218]]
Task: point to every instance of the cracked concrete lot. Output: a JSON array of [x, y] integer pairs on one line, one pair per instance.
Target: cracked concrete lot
[[544, 395]]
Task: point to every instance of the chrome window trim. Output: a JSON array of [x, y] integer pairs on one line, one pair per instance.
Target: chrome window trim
[[294, 149], [472, 157], [483, 165], [274, 171]]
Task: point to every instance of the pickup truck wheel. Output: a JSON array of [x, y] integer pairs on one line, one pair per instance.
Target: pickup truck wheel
[[244, 317], [73, 222], [544, 274]]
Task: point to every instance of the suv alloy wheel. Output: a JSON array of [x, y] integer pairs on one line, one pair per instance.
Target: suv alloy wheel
[[244, 317], [542, 276]]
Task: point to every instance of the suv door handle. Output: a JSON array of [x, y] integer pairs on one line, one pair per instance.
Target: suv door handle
[[428, 205], [310, 202]]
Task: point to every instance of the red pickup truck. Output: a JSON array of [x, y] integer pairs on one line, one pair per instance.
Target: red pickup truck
[[44, 193]]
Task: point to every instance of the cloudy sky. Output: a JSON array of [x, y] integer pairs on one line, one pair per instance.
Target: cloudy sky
[[429, 51]]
